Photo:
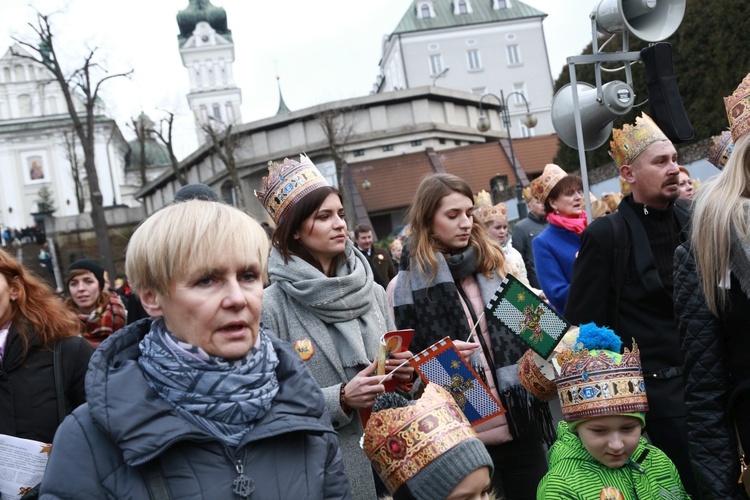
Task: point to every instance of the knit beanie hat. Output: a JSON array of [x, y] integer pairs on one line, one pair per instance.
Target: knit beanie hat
[[196, 192], [426, 447], [89, 265]]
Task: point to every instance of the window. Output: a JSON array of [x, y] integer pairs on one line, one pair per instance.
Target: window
[[217, 111], [462, 7], [520, 88], [359, 152], [198, 79], [441, 141], [514, 55], [474, 62], [457, 143], [424, 11], [230, 112], [416, 143], [24, 105], [436, 64], [204, 114], [211, 75], [479, 90], [501, 4], [388, 147], [19, 75]]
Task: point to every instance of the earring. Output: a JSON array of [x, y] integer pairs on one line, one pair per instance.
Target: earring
[[12, 299]]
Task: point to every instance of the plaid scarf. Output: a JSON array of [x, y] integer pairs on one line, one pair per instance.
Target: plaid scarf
[[224, 398], [104, 320], [434, 310]]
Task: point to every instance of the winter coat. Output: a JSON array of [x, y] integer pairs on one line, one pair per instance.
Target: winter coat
[[280, 314], [554, 253], [716, 373], [523, 234], [576, 475], [28, 399], [292, 452], [645, 311]]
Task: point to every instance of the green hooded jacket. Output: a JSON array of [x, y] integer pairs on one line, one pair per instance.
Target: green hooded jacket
[[576, 475]]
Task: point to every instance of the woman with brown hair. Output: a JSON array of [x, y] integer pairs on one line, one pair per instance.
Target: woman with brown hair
[[324, 301], [101, 312], [453, 269], [34, 323]]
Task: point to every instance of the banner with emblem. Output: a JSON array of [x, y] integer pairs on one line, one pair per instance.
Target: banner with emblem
[[442, 364], [518, 308]]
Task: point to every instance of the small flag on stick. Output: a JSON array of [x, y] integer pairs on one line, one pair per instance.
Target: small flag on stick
[[442, 364], [518, 308]]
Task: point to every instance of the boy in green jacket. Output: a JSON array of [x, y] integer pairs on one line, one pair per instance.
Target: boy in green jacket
[[599, 453]]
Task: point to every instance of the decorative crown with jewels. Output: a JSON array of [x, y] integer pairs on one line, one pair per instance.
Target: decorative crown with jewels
[[632, 140], [597, 383], [287, 183], [542, 185], [400, 442], [486, 213], [738, 109], [721, 149]]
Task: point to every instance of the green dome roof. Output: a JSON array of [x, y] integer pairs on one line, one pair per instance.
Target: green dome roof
[[202, 10], [156, 154]]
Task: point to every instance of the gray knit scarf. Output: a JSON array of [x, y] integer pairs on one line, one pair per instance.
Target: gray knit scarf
[[224, 398], [434, 310], [342, 303]]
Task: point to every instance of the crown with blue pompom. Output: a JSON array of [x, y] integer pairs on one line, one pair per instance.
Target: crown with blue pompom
[[595, 380]]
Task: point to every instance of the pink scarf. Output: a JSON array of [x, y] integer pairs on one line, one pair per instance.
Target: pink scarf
[[576, 224]]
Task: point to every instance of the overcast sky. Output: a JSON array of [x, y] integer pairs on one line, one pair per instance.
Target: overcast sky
[[322, 51]]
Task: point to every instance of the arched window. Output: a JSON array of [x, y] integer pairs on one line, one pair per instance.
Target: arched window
[[19, 74], [424, 11], [462, 9], [6, 75], [24, 105]]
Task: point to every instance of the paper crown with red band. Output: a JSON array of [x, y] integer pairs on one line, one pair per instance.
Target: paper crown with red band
[[600, 382], [738, 109], [721, 149], [287, 183], [401, 442], [632, 140], [485, 213]]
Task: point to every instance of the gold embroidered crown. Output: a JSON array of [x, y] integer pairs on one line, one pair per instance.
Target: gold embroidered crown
[[721, 149], [400, 442], [738, 109], [542, 185], [485, 213], [482, 198], [632, 140], [287, 183], [597, 383]]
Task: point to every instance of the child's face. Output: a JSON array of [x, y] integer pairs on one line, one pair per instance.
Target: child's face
[[475, 486], [612, 439]]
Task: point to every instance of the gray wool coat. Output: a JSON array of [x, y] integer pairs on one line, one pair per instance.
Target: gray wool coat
[[280, 315]]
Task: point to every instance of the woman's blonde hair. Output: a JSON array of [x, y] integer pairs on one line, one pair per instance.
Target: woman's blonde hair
[[189, 236], [718, 212], [422, 243]]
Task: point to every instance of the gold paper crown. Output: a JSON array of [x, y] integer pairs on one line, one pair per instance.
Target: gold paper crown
[[630, 141], [485, 214], [482, 198], [400, 442], [287, 183], [598, 383], [721, 149], [738, 109], [542, 185], [612, 200], [527, 194]]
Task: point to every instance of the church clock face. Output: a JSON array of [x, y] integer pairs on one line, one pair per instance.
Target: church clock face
[[204, 38]]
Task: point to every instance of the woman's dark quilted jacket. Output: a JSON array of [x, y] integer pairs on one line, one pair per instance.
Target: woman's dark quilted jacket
[[716, 372]]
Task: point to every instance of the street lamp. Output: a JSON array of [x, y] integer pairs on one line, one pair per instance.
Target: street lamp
[[483, 125]]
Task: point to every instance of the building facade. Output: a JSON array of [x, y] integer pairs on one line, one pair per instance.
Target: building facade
[[207, 51], [476, 46]]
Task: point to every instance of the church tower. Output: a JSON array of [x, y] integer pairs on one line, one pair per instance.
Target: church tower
[[207, 51]]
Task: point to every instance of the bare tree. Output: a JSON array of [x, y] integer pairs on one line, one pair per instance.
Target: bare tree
[[138, 126], [224, 144], [80, 85], [71, 153], [337, 127], [166, 139]]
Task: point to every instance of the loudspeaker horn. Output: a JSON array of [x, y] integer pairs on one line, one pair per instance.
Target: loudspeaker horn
[[649, 20], [596, 116]]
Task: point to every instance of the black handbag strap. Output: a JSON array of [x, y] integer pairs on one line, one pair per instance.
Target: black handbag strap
[[59, 388], [156, 483]]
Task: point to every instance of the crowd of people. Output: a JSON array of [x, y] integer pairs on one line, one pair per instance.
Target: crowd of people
[[244, 363]]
